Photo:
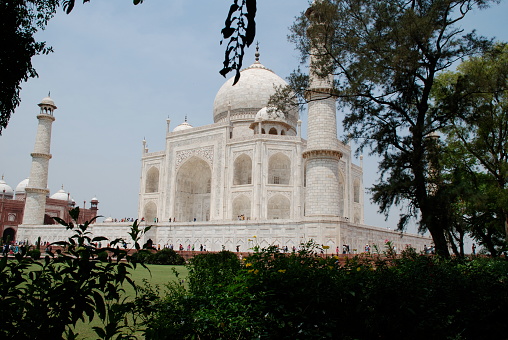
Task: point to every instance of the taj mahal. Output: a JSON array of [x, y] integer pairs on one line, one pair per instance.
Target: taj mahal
[[247, 179]]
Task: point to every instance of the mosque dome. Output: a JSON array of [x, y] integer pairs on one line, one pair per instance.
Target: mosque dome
[[60, 195], [20, 188], [47, 101], [183, 126], [9, 193], [252, 92], [267, 114]]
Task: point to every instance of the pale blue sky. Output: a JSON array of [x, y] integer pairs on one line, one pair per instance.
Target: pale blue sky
[[119, 70]]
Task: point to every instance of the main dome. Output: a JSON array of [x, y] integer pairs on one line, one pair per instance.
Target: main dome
[[252, 92]]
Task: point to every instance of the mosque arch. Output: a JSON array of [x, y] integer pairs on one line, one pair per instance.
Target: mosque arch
[[342, 193], [9, 234], [192, 199], [279, 207], [241, 208], [150, 212], [279, 169], [356, 191], [282, 132], [242, 170], [273, 131], [152, 180]]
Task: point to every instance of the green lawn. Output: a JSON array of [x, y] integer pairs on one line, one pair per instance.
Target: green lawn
[[158, 275]]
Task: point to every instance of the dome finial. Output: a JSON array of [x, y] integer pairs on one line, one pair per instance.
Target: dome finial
[[49, 94], [186, 118], [257, 52]]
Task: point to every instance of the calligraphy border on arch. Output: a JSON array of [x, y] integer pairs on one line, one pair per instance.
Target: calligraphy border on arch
[[205, 153]]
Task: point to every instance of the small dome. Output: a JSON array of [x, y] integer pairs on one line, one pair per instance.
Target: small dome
[[269, 114], [8, 193], [94, 199], [60, 195], [108, 220], [20, 188], [47, 101], [183, 126]]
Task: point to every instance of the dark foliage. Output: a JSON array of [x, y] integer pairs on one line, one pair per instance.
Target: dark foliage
[[164, 256], [303, 296], [240, 29]]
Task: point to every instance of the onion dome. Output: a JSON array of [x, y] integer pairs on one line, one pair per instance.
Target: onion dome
[[270, 115], [60, 195], [5, 190], [183, 126], [20, 188], [47, 101], [252, 92]]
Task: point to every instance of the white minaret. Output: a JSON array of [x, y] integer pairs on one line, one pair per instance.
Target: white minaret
[[322, 154], [37, 189]]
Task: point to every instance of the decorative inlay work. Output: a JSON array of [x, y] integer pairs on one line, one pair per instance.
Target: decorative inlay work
[[41, 155], [322, 153], [248, 152], [272, 152], [40, 191], [287, 194], [206, 153], [234, 195]]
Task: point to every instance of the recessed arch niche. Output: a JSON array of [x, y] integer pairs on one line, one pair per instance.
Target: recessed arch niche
[[279, 169], [150, 212], [279, 207], [152, 180], [192, 199], [242, 170]]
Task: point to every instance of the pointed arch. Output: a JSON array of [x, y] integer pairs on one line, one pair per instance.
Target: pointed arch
[[193, 181], [9, 234], [342, 193], [241, 207], [150, 212], [279, 169], [279, 207], [356, 191], [152, 180], [242, 170], [273, 131]]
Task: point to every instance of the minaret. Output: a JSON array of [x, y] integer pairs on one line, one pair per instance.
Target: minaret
[[37, 189], [322, 154]]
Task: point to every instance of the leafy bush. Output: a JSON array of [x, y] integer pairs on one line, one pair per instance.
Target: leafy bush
[[303, 296], [35, 254], [165, 256], [45, 299]]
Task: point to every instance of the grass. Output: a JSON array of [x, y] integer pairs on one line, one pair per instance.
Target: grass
[[158, 275]]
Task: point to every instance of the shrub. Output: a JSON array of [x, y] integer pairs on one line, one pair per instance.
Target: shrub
[[165, 256], [35, 254], [45, 299], [303, 296]]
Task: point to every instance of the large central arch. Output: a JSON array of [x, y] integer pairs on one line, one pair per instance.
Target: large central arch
[[192, 201]]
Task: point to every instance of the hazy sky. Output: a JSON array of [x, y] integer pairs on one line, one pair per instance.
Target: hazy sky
[[119, 70]]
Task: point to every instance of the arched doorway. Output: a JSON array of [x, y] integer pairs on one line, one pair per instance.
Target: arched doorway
[[279, 207], [241, 207], [9, 235], [150, 212], [192, 201]]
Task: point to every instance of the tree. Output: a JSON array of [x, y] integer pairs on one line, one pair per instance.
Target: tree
[[385, 56], [21, 19], [476, 96]]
